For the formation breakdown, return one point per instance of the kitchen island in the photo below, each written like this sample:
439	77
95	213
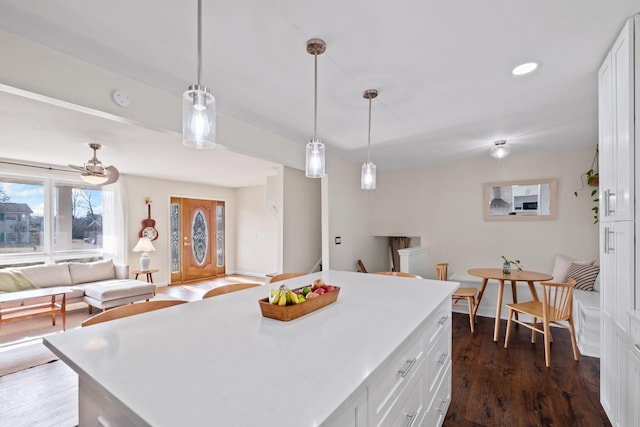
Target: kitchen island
380	355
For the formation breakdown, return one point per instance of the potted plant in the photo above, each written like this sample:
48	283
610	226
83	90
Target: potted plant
592	180
506	265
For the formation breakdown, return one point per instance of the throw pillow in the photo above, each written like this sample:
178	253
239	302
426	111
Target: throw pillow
561	267
584	275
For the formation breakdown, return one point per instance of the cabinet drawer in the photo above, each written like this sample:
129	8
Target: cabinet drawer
437	322
411	409
437	359
439	405
392	378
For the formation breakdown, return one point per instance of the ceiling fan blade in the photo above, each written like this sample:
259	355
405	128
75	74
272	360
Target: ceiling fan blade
113	174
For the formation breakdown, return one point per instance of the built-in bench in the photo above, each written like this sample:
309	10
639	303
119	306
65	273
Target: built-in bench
586	309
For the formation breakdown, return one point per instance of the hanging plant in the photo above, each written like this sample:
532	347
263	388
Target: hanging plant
593	180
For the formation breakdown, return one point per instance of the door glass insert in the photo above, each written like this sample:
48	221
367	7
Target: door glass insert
220	237
175	237
199	240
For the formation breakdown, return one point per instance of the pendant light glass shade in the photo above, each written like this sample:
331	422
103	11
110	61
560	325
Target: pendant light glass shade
198	118
314	164
314	167
199	107
500	149
368	176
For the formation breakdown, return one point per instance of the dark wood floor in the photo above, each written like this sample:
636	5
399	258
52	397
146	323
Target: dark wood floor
494	386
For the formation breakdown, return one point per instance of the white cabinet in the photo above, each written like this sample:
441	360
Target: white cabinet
616	129
617	98
633	387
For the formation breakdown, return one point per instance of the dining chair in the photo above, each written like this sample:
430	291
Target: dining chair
284	276
225	289
460	294
130	310
556	307
398	274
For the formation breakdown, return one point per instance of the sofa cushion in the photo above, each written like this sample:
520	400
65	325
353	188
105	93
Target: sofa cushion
46	275
561	267
12	280
91	271
115	289
584	275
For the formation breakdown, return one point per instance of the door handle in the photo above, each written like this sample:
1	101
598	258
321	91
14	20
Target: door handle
187	244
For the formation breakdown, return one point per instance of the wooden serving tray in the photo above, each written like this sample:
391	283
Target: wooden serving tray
290	312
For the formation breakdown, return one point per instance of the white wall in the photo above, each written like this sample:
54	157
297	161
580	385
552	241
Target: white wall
256	232
349	217
443	205
302	242
160	192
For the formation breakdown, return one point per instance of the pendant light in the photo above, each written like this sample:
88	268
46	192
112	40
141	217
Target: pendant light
368	178
314	165
500	149
199	106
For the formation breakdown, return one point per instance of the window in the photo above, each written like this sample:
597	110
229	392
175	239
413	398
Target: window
46	220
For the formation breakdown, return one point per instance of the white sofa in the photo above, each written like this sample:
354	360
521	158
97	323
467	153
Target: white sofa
101	284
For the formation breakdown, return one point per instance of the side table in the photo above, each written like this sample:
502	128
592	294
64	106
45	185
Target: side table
149	274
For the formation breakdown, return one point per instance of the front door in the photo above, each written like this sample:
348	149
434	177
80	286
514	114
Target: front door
197	247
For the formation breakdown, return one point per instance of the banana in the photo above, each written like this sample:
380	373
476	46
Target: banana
283	298
294	297
276	297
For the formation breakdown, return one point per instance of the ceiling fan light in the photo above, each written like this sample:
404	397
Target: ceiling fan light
94	179
368	176
198	118
500	149
314	167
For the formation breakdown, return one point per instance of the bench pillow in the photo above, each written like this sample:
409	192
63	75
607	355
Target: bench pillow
561	267
84	272
46	275
584	275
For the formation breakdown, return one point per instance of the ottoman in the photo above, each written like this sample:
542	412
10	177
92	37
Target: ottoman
113	293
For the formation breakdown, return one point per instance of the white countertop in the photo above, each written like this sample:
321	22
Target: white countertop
219	362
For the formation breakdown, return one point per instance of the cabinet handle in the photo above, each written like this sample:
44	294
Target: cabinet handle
638	347
412	419
443	358
612	235
443	405
608	196
443	320
403	372
606	240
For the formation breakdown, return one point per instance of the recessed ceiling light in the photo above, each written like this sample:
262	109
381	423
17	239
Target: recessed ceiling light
524	68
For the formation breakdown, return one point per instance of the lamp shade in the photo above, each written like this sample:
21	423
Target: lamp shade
94	179
144	245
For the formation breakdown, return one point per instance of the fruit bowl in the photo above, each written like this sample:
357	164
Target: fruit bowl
290	312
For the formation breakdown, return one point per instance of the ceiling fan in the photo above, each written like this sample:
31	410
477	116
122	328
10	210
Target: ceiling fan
94	172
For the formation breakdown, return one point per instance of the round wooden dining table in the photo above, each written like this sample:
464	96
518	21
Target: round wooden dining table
515	276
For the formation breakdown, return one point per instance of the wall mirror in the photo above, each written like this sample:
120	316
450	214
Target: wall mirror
527	200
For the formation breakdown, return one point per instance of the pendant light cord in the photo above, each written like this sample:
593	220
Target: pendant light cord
199	41
369	137
315	96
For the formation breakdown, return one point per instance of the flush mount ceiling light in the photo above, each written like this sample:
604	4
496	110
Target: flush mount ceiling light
524	68
500	149
94	172
314	165
199	106
368	177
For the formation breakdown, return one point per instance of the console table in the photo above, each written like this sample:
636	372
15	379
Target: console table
380	355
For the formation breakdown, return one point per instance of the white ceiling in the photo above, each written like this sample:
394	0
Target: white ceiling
442	68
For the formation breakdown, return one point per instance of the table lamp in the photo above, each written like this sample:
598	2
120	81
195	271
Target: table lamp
144	245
